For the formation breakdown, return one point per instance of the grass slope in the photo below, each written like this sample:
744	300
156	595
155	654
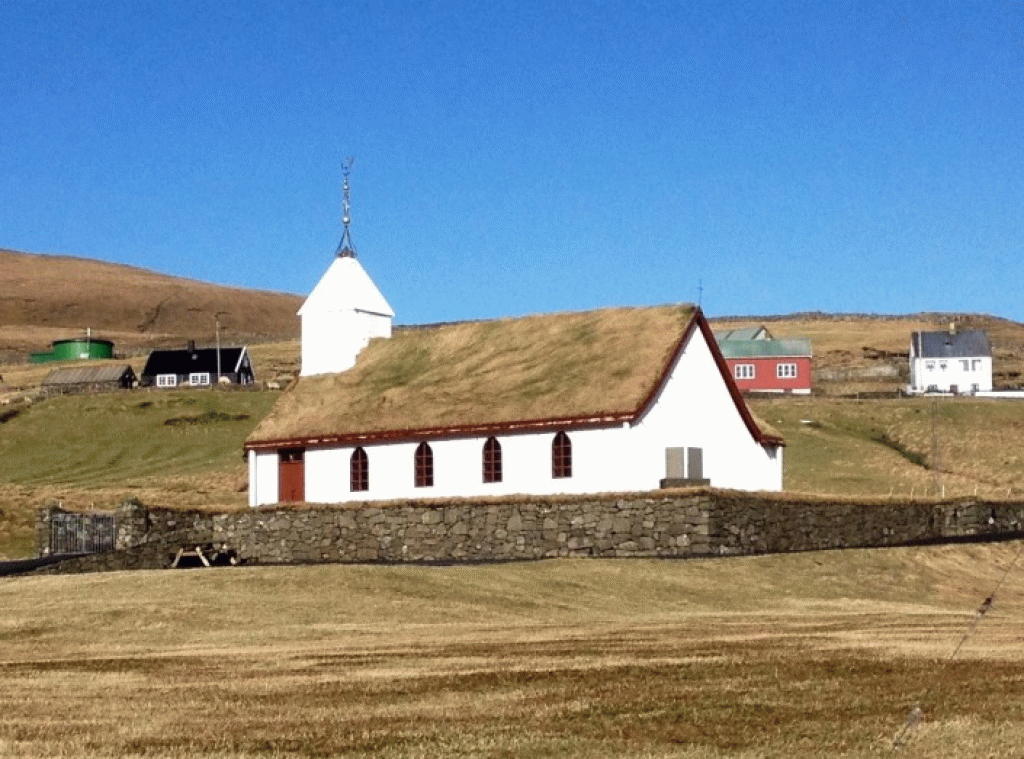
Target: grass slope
168	448
816	654
905	447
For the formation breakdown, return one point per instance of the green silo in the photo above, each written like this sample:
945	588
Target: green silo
72	350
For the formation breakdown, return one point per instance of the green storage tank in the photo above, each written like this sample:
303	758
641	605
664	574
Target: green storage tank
74	350
69	350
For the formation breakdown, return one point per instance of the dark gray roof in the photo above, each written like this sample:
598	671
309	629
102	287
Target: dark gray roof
198	360
76	375
950	344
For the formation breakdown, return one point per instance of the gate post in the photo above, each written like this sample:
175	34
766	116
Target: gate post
44	526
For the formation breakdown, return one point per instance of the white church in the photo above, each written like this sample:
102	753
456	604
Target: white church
612	400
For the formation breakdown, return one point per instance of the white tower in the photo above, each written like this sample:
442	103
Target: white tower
345	309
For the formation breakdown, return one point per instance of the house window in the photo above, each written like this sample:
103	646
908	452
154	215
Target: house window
199	378
424	466
965	364
929	365
359	471
744	371
167	380
976	364
785	371
561	456
942	365
492	460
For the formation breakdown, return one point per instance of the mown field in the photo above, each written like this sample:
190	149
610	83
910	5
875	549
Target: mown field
808	655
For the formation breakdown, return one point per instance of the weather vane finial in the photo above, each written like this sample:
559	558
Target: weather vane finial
345	247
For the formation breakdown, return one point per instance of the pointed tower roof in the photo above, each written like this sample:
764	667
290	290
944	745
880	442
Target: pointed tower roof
346	286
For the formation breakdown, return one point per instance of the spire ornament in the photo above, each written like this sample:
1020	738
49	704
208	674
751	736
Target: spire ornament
345	247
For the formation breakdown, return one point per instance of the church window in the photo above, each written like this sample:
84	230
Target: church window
424	466
359	470
561	456
492	460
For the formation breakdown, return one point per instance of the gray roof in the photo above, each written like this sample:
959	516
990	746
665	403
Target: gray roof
77	375
950	344
744	333
791	346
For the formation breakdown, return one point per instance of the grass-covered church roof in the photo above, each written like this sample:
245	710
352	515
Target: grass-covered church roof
518	373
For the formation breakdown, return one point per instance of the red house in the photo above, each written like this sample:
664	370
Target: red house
761	363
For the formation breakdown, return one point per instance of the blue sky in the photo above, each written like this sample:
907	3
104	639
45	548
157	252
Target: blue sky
515	157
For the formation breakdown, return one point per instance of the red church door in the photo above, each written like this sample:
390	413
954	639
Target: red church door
291	475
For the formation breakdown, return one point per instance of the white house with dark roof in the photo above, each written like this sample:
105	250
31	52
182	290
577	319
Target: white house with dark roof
956	362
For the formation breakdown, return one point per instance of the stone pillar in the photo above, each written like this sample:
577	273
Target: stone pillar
44	522
132	519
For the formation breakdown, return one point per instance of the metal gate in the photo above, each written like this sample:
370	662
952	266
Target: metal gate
82	533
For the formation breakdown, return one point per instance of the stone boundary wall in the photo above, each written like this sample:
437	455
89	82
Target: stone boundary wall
678	524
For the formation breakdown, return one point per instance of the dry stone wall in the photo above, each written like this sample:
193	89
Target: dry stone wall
680	524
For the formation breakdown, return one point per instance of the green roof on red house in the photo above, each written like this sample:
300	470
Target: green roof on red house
785	348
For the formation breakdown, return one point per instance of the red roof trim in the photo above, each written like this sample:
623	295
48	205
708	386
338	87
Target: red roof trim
466	430
737	397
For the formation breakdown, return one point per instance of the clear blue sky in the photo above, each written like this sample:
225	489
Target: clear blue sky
514	157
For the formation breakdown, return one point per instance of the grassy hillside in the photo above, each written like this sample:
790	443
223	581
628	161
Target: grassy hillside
809	655
905	447
45	298
168	448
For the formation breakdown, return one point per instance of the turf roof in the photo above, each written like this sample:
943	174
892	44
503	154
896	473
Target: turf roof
575	365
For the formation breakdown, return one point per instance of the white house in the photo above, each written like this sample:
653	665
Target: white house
613	400
950	362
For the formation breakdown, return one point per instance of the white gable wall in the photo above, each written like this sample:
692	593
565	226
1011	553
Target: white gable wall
694	409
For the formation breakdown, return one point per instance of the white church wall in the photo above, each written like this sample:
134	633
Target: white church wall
332	340
263	474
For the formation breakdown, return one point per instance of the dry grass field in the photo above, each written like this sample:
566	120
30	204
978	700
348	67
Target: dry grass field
808	655
48	297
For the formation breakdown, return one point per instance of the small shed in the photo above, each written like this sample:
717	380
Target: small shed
197	367
89	379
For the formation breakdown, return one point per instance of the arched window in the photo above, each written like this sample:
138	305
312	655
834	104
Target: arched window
424	466
359	471
492	460
561	456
